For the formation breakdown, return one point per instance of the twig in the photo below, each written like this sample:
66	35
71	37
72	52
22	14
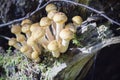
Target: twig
101	45
75	3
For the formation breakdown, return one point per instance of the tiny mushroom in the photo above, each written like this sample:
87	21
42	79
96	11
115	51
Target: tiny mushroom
54	48
50	16
13	42
16	29
45	22
66	35
26	24
60	19
77	20
50	7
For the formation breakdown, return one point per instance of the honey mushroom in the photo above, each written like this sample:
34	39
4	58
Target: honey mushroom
26	24
54	48
60	19
13	42
45	22
77	21
39	35
51	9
66	35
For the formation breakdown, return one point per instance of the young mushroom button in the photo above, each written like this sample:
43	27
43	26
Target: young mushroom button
60	19
66	35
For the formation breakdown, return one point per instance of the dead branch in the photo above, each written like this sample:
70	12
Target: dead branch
75	3
101	45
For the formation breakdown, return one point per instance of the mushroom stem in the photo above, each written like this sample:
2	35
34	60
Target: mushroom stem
49	34
33	44
66	35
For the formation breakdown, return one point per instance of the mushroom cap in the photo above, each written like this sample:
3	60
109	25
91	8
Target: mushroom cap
66	34
34	27
21	38
34	55
77	20
53	45
51	14
30	41
50	7
45	21
24	48
71	27
26	28
12	42
39	33
60	17
16	29
26	21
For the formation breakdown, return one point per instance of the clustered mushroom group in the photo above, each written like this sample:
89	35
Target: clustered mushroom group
50	34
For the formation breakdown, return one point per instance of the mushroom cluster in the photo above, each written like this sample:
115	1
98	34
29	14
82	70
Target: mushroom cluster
50	34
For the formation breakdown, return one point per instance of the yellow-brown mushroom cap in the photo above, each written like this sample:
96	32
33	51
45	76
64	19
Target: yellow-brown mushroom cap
50	7
26	21
66	34
12	42
26	28
77	20
16	29
60	17
53	45
21	38
34	27
45	21
51	14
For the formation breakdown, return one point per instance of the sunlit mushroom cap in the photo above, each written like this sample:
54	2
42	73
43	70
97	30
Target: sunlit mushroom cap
26	21
66	34
77	20
50	7
45	21
16	29
26	28
51	14
60	17
34	27
21	38
53	45
12	42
